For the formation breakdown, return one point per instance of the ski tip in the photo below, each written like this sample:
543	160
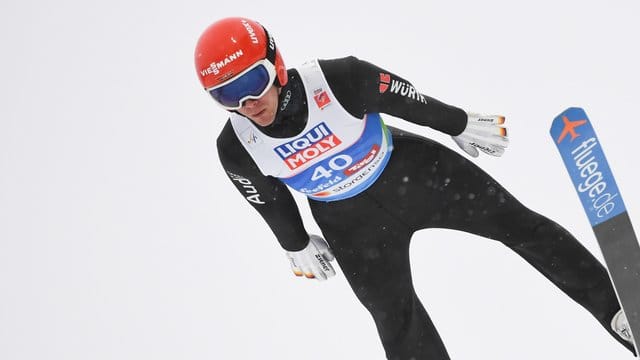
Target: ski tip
573	111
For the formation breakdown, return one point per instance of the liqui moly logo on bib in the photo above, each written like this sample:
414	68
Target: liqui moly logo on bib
307	147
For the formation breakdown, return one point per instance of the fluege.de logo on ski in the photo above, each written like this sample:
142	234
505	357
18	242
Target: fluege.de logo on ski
309	146
588	167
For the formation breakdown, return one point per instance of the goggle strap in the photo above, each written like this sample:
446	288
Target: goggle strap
271	53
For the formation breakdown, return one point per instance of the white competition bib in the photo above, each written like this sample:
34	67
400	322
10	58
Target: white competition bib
335	157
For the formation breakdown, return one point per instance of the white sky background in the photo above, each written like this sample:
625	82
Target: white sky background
121	238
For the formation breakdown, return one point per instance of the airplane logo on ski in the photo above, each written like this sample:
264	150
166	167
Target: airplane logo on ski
570	128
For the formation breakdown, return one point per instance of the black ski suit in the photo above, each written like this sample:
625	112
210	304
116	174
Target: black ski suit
424	185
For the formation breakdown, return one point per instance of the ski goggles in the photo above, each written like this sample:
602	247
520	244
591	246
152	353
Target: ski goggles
252	83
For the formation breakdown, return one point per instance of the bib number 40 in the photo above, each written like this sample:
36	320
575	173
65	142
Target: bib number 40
336	163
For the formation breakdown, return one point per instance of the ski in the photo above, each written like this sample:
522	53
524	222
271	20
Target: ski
593	180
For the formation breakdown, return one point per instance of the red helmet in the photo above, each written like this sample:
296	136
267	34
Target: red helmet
231	45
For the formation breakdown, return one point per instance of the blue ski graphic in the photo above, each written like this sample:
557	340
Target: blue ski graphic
594	182
587	166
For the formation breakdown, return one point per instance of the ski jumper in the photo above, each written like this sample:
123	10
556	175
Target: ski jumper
423	185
